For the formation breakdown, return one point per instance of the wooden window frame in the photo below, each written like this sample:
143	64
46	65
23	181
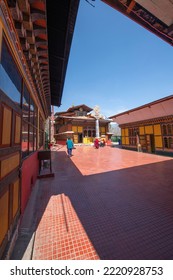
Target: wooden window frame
2	106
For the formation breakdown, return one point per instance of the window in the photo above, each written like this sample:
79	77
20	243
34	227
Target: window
32	127
31	139
164	129
25	139
11	80
170	141
167	131
35	139
93	133
81	113
133	132
165	142
25	104
11	84
29	126
41	131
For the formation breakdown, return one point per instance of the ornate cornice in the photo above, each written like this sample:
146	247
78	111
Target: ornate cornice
25	53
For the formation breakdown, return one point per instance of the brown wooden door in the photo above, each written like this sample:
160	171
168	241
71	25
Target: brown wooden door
10	158
150	145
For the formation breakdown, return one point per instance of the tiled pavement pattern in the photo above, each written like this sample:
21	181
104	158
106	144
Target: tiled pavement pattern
60	235
123	199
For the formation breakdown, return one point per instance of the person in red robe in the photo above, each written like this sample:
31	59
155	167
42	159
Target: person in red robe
96	143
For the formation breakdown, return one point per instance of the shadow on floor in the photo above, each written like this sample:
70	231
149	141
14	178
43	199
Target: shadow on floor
126	213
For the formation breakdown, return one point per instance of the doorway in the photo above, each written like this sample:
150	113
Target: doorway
80	138
150	143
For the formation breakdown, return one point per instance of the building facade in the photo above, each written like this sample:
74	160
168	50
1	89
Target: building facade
148	128
32	70
78	123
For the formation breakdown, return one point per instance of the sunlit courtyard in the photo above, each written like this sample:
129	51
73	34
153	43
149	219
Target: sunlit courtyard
108	203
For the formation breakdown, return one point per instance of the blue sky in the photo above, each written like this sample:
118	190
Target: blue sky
115	63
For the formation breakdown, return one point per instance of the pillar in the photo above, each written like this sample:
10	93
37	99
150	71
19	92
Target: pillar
97	128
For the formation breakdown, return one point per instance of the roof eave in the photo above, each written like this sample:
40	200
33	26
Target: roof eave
61	18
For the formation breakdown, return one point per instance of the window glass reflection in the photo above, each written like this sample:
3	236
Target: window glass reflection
10	66
35	139
24	139
7	86
11	80
32	112
41	134
25	103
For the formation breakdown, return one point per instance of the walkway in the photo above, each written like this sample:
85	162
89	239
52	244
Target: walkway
108	203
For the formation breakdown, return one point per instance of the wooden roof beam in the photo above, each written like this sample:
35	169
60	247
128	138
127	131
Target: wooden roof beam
46	86
45	80
27	54
39	31
41	42
27	22
24	6
33	49
30	37
11	3
24	44
37	15
131	6
43	67
45	75
34	58
170	30
39	5
15	11
42	52
20	29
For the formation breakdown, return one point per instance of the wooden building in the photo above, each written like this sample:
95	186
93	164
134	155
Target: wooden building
148	128
150	125
79	123
35	41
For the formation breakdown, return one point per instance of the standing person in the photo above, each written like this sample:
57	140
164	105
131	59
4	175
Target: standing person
70	146
103	142
96	143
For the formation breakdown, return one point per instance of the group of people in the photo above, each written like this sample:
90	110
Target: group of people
70	146
98	143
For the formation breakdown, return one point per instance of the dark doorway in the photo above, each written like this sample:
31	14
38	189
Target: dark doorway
150	143
80	138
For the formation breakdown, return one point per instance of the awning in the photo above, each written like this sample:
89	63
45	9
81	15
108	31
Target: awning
65	132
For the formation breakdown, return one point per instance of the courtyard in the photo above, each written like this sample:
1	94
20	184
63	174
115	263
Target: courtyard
117	204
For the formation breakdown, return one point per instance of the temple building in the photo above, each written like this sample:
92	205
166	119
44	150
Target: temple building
148	128
35	41
79	123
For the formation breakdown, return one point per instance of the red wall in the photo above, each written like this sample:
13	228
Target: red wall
30	169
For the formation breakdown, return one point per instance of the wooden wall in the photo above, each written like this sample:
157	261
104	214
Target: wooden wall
10	140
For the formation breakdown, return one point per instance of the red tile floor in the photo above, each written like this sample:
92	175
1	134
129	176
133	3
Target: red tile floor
108	203
60	235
